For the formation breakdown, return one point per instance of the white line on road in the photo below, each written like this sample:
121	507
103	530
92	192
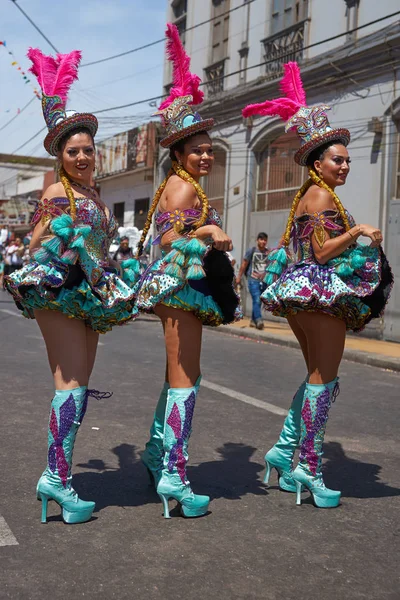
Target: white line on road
6	536
10	312
243	398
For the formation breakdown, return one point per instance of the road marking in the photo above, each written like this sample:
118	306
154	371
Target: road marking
6	535
243	398
10	312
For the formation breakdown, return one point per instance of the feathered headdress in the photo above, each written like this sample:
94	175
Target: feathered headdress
179	117
311	123
55	76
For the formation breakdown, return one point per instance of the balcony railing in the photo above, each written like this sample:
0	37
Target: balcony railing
286	45
215	77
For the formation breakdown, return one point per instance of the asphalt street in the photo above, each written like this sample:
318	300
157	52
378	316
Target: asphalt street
255	543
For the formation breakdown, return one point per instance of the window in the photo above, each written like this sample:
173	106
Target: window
141	210
286	13
279	177
214	184
119	211
288	33
219	30
179	8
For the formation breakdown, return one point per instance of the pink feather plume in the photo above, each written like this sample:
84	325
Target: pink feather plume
184	82
55	75
285	107
291	84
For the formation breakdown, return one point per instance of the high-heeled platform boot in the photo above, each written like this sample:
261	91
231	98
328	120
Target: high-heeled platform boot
152	457
314	416
67	411
280	456
177	429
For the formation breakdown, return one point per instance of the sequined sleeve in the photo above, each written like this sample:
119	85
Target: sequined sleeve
183	220
48	209
317	223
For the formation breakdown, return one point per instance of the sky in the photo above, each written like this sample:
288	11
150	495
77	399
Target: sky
99	28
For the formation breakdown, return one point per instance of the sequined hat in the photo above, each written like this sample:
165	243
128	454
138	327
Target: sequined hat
180	120
310	122
55	77
179	116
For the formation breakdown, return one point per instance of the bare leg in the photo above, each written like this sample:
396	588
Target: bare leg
92	340
325	337
182	332
66	343
300	335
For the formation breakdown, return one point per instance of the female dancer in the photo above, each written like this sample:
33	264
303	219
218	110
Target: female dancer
334	285
69	276
191	285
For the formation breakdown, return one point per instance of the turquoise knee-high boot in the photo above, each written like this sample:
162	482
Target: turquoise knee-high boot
280	456
314	416
177	429
67	411
152	457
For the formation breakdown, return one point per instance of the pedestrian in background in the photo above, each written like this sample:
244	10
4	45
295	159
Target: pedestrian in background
14	253
253	267
124	251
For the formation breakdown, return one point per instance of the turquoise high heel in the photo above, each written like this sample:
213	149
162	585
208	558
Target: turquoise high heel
280	456
314	416
67	411
173	483
152	457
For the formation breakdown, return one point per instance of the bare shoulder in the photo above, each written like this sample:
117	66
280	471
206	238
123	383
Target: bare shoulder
317	199
55	190
179	194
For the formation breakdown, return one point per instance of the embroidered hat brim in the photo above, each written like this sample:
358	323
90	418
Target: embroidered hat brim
54	136
341	135
171	139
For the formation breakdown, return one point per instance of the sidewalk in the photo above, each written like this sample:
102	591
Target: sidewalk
376	353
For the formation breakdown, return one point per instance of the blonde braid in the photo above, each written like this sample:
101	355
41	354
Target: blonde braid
178	170
318	181
68	192
205	205
295	203
151	213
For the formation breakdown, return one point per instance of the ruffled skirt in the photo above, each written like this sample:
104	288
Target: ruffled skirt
355	298
196	296
62	287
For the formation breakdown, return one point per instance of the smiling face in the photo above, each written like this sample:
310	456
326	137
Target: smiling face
78	157
334	165
197	157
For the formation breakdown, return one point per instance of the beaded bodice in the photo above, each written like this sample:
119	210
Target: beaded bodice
307	224
167	220
88	212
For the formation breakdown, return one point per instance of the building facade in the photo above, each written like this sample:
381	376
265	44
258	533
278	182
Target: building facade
125	173
349	55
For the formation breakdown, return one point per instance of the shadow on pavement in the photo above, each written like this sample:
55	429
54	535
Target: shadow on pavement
354	478
128	484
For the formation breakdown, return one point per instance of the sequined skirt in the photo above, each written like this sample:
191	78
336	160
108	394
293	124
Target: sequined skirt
314	287
61	287
196	296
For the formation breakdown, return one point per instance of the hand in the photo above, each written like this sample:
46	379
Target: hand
373	233
220	240
238	280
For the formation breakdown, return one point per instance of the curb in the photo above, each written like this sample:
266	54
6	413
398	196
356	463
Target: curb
358	356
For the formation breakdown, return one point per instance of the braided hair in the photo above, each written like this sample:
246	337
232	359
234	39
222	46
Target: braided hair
68	192
205	205
314	178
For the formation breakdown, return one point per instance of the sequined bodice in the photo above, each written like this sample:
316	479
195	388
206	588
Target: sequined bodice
103	229
307	224
166	220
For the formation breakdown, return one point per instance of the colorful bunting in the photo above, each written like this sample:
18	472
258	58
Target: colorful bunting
14	63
